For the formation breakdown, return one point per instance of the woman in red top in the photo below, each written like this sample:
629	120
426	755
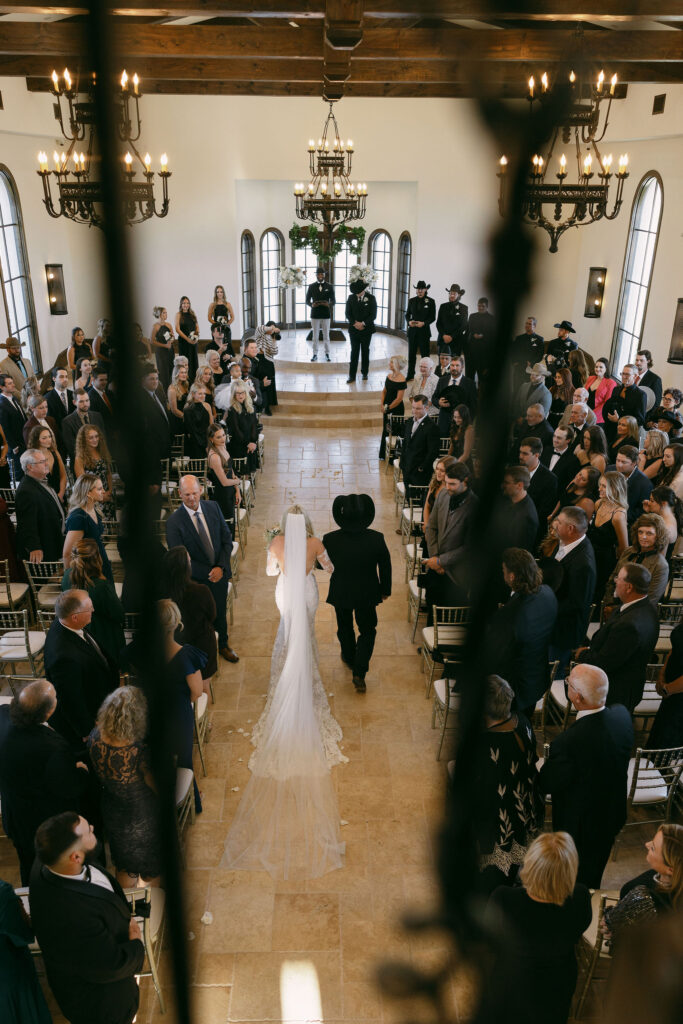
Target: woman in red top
600	387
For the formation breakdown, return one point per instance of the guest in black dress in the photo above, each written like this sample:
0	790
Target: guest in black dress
392	397
221	312
667	728
608	533
197	418
161	339
21	998
534	979
102	344
187	329
78	349
226	485
177	392
130	807
461	434
242	428
627	434
562	393
196	606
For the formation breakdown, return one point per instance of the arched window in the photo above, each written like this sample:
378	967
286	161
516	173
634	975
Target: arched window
379	250
16	280
248	281
272	258
405	252
307	259
646	216
343	262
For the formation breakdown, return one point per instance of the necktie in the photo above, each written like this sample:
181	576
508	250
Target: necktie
96	647
23	369
105	400
85	418
65	401
19	409
638	380
204	536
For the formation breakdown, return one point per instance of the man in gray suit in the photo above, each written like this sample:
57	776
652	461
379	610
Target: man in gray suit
72	423
447	535
535	391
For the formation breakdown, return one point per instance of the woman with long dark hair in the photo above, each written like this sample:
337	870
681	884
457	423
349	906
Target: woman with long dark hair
671	473
562	393
582	491
196	605
43	440
187	330
665	503
600	386
78	348
461	434
221	312
226	485
592	449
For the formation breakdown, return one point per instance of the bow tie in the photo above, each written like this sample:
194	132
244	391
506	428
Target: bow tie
555	452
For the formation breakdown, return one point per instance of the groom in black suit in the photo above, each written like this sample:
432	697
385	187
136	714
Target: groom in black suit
361	579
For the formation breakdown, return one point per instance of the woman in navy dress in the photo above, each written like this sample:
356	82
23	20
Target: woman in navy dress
84	519
21	998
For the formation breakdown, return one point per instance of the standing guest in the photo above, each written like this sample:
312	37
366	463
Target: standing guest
650	455
267	337
436	485
21	997
60	399
253	385
42	440
12	420
320	299
638	486
627	400
242	428
197	418
102	342
582	492
130	806
84	519
420	315
481	336
101	400
213	361
81	416
161	338
578	367
560	347
451	322
600	386
573	581
82	375
448	541
77	667
626	433
4	465
17	366
221	312
664	502
156	429
559	456
592	449
454	389
225	483
204	379
649	541
187	330
78	348
426	381
542	483
461	434
200	527
536	974
608	531
525	351
361	311
392	397
38	417
360	581
671	473
142	346
92	947
39	773
420	447
39	512
586	772
535	391
646	377
92	456
517	519
561	394
85	573
177	392
196	606
624	644
263	369
667	728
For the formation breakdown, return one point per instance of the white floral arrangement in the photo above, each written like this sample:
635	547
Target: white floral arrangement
363	272
292	277
194	336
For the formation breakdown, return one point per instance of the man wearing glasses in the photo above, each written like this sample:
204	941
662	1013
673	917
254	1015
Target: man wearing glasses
40	516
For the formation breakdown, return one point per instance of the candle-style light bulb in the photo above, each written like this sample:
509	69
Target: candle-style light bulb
544	81
55	82
572	77
124	81
540	165
163	160
147	162
587	164
503	162
42	160
349	144
129	160
612	84
311	188
607	164
136	82
67	79
56	159
532	83
601	80
563	164
82	161
623	163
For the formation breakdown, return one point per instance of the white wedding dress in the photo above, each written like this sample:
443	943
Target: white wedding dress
288	819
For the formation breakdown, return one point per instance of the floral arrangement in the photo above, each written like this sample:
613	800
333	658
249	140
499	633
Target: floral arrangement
269	534
292	277
311	238
363	272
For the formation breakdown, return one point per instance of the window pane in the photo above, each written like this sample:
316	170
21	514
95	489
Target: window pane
381	262
307	259
15	280
635	285
343	262
403	281
272	249
13	243
248	282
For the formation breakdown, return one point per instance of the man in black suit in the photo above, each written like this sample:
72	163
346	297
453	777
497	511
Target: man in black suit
560	347
516	518
60	401
77	667
542	485
645	376
444	367
627	400
263	371
638	486
520	630
39	773
81	416
157	429
101	399
454	389
420	446
91	946
559	457
451	323
586	772
361	311
40	516
447	534
361	579
420	315
534	424
200	527
525	350
12	420
481	336
320	299
571	574
625	643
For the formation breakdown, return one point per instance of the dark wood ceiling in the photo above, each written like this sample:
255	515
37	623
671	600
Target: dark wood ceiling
352	47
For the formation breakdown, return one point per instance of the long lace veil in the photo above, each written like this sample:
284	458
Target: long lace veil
288	820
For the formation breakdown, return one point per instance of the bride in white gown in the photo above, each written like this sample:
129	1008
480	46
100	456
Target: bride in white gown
288	820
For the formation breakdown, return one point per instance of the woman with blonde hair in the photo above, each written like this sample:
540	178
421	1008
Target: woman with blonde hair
161	339
179	389
92	456
84	520
197	418
242	427
129	803
391	401
627	432
650	455
42	439
204	378
101	343
85	573
608	533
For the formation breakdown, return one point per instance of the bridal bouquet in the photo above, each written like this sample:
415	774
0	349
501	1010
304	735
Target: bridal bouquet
269	534
292	277
363	272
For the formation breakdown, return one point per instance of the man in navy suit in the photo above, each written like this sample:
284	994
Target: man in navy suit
638	486
453	389
542	483
200	527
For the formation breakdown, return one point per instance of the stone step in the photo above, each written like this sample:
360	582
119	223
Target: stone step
341	367
319	417
313	402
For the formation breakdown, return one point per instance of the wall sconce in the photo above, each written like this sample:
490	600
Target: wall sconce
54	275
595	292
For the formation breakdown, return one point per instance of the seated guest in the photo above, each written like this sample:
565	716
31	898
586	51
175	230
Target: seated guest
559	456
517	519
671	473
226	485
663	502
562	395
624	645
213	361
573	582
535	392
454	389
78	349
72	423
21	997
252	384
649	541
91	946
586	772
592	449
582	492
426	380
520	630
39	773
667	416
39	512
443	367
645	375
82	376
130	806
262	371
650	455
38	417
436	486
600	386
578	367
447	537
41	439
586	416
77	667
84	519
542	483
638	487
197	418
92	456
196	606
86	574
535	425
578	421
461	434
667	728
608	531
535	977
242	428
204	379
627	400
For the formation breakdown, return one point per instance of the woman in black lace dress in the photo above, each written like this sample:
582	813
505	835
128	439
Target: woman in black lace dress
392	397
187	329
130	808
161	340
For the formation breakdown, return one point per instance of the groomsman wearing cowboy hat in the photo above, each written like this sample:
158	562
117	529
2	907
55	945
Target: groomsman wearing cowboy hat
420	315
451	323
562	345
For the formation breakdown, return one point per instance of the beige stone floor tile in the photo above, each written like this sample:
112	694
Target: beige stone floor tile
242	909
256	985
306	921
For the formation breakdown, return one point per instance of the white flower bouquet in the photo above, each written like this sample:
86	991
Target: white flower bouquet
363	272
292	277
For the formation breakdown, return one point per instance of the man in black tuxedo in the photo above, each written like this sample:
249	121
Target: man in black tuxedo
516	517
420	315
320	299
81	416
560	347
638	486
361	579
60	402
39	773
91	946
157	427
77	667
542	485
420	446
263	371
520	630
447	534
645	376
627	400
40	516
534	424
361	311
454	389
559	457
12	420
586	772
451	323
571	574
101	400
200	527
481	337
625	643
525	350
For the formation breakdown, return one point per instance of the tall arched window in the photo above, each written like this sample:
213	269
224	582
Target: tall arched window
379	249
14	273
247	259
405	252
272	258
307	259
343	262
646	216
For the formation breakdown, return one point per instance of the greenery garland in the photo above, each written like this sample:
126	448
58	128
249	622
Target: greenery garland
311	238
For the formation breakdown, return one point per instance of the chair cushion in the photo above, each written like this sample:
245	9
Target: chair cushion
651	787
13	648
558	694
6	700
202	702
242	512
440	694
183	782
417	514
428	637
235	548
410	551
17	591
649	705
401	487
415	593
118	587
47	594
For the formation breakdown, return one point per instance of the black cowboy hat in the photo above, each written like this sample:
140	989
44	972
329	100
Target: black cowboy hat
353	512
668	416
356	287
456	288
566	325
320	270
422	284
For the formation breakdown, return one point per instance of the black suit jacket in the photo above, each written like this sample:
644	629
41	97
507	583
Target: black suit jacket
180	529
654	382
543	493
520	633
516	524
40	527
638	488
71	424
81	678
82	930
317	292
362	568
622	647
632	404
566	467
419	452
464	393
574	593
12	422
55	407
364	310
97	405
157	427
452	320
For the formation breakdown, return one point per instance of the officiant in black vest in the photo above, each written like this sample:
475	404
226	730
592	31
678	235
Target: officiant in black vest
361	310
420	315
320	300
